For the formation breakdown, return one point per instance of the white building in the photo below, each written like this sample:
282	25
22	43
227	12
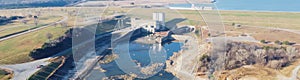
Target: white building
160	18
157	23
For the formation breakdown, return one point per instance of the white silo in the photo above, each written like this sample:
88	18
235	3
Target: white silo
160	18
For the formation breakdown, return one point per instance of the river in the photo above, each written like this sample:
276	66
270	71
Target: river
141	53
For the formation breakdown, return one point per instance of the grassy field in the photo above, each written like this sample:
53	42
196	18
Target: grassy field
267	19
264	34
263	19
192	17
16	50
18	26
250	73
287	20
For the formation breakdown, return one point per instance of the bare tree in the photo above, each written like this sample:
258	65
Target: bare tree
49	36
30	16
291	52
36	21
55	24
63	24
24	21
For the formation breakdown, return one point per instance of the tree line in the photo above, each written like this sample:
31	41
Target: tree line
5	20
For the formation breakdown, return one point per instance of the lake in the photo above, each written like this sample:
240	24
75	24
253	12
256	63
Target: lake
255	5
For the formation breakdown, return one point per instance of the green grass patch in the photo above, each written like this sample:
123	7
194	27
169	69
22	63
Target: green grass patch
286	20
18	26
265	19
16	50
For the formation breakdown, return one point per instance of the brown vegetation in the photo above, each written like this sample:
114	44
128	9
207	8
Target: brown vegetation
239	54
249	73
152	69
121	77
48	70
108	58
263	33
5	74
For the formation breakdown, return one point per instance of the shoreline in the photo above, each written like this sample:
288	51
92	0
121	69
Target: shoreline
185	70
174	8
262	11
217	8
184	8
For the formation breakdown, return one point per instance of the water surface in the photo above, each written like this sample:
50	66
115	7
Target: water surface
253	5
139	52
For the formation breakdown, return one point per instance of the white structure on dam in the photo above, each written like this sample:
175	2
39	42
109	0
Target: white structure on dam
156	24
159	18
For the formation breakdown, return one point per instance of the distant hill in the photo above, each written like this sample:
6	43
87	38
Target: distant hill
12	4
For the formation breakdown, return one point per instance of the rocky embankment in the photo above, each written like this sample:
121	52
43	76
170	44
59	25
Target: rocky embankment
239	54
183	64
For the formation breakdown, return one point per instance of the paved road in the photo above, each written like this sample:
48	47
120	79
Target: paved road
25	70
19	34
